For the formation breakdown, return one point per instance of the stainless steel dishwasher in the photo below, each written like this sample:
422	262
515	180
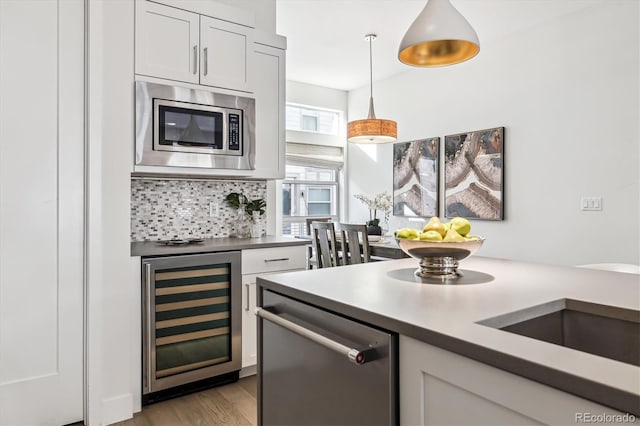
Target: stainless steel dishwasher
319	368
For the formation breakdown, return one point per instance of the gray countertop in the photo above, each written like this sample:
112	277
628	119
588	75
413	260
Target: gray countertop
388	295
211	245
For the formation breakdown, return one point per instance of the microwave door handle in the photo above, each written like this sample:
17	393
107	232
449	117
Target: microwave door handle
195	59
205	59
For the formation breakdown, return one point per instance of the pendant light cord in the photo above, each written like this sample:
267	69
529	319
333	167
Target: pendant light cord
372	113
371	66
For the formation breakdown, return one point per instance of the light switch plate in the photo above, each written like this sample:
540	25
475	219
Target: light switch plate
591	203
214	210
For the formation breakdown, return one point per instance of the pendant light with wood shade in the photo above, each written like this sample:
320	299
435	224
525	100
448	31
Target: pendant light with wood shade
439	36
371	129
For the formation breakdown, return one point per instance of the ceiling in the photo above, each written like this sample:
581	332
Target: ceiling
325	38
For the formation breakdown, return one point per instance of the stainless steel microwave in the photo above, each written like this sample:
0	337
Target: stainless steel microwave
183	127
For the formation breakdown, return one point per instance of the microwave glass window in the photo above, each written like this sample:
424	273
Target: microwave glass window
188	127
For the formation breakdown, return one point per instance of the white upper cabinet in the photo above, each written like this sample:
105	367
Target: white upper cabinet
185	46
225	60
167	42
269	84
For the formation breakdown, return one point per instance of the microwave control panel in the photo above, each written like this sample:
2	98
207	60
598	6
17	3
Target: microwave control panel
234	132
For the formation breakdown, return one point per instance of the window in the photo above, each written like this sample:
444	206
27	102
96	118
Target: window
309	123
310	119
311	187
308	191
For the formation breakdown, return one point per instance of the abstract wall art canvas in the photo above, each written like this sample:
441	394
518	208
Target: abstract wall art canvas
474	174
415	177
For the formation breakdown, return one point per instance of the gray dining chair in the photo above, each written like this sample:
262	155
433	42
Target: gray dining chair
311	257
324	240
355	244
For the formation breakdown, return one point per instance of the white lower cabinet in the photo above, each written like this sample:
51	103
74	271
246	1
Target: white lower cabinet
438	387
261	262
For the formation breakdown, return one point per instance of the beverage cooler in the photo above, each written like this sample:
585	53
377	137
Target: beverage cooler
191	331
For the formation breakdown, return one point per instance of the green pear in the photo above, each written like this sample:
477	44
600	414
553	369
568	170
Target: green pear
434	224
453	236
406	233
430	236
461	225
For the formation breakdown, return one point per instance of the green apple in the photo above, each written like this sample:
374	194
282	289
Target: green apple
434	224
461	225
430	236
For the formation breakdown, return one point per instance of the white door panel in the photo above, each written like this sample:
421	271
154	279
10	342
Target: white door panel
41	211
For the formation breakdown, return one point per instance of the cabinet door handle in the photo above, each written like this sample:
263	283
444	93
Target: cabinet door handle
205	59
195	58
280	259
246	306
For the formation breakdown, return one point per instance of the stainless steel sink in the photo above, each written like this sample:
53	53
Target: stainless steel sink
607	331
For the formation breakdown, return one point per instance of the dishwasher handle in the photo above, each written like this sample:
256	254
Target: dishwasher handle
356	356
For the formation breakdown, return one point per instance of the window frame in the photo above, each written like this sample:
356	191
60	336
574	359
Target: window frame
316	109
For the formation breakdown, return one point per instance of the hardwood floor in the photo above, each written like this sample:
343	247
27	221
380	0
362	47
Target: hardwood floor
233	404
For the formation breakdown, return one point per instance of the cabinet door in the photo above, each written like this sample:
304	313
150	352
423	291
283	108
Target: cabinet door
269	84
166	42
249	335
439	387
260	262
225	55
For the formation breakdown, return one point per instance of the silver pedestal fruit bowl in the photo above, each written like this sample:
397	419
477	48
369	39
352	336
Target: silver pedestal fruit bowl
439	259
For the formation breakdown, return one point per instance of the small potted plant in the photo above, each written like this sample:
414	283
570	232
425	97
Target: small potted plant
381	201
250	210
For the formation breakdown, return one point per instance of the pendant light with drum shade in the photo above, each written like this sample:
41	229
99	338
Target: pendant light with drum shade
439	36
371	129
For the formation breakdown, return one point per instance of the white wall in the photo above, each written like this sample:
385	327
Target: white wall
309	94
567	94
264	10
113	288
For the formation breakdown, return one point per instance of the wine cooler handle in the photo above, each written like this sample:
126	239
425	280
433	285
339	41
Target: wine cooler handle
147	283
354	355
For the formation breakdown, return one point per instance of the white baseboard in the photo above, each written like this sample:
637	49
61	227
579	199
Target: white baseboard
117	409
248	371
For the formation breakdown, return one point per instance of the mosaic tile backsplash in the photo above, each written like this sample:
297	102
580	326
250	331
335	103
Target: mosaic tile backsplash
165	209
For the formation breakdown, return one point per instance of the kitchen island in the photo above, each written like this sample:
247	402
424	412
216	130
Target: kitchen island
453	323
